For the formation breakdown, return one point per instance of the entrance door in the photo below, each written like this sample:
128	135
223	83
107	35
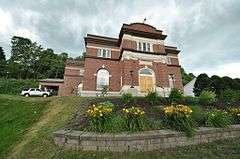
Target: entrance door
146	80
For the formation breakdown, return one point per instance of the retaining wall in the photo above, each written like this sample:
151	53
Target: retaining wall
141	141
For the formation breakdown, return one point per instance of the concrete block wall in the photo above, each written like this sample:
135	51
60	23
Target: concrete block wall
141	141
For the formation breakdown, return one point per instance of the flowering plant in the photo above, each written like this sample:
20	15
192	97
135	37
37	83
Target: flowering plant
218	118
235	114
179	117
98	116
134	118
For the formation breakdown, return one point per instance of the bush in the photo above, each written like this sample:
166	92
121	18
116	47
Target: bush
189	100
107	104
135	118
115	124
14	87
152	98
199	116
218	118
228	96
176	96
99	116
235	114
207	97
127	98
179	118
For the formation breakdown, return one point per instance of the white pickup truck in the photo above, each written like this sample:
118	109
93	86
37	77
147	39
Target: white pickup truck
35	92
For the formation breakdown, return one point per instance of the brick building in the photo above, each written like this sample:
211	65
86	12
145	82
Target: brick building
137	61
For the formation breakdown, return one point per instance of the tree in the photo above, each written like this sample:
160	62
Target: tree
3	63
202	82
20	56
216	84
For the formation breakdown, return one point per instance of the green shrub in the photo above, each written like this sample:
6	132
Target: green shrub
207	97
107	104
98	117
228	96
115	124
14	87
127	98
218	118
199	116
152	98
189	100
176	96
179	118
235	114
134	118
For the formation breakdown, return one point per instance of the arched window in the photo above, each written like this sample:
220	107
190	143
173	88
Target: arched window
145	71
102	78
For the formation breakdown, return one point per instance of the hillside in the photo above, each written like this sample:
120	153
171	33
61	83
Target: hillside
28	124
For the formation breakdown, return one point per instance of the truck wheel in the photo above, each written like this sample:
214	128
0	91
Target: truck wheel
45	95
26	95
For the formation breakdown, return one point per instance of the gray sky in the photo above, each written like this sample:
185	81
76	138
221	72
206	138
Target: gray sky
206	31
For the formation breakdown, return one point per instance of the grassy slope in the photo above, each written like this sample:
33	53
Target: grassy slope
16	116
37	141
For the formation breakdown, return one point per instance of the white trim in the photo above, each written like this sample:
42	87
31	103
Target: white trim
141	39
74	68
146	57
99	47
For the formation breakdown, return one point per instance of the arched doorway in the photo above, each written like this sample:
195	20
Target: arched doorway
146	80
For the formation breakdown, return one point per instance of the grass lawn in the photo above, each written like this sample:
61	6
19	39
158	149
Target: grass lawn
17	115
26	134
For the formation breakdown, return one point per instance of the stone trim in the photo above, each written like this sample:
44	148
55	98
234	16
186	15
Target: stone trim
141	141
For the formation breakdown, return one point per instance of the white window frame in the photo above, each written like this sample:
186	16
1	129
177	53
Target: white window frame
104	52
102	74
140	46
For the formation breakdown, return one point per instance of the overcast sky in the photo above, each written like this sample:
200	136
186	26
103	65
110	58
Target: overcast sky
206	31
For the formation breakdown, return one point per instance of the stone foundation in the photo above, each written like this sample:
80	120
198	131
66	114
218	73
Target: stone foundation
141	141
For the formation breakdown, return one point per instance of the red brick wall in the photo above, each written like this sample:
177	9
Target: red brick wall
178	77
72	79
91	68
128	44
158	48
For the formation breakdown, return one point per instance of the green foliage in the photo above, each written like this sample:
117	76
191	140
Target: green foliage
235	114
127	98
179	118
215	84
207	97
186	77
199	116
134	119
176	96
3	62
14	87
189	100
115	124
17	115
107	104
99	116
152	98
104	90
218	118
202	82
30	60
229	96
